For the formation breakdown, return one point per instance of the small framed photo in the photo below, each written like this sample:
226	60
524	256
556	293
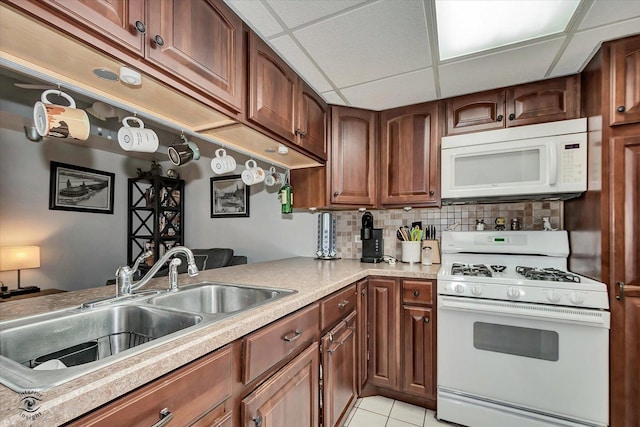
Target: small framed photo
229	197
76	188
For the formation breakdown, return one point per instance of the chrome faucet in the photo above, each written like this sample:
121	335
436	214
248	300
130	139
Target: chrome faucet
124	274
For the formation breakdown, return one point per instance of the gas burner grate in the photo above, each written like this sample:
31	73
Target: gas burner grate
550	274
470	270
498	268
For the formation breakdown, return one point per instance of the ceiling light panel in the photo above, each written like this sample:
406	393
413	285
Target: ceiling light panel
470	26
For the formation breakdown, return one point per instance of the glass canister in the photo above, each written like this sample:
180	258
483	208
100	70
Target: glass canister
427	255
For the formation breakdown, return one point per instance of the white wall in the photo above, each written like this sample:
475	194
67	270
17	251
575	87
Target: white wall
80	250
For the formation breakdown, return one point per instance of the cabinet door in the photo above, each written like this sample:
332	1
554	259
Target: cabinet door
289	397
353	157
625	304
409	156
115	19
339	372
199	41
362	308
544	101
625	81
384	312
273	90
312	123
476	112
417	351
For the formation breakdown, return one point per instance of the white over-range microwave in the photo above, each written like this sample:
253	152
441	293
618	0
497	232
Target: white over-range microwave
538	162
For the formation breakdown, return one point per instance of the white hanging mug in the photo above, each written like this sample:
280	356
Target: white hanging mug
137	138
222	162
253	174
60	121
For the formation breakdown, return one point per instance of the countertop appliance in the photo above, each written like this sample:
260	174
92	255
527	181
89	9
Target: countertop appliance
546	162
327	237
372	242
521	341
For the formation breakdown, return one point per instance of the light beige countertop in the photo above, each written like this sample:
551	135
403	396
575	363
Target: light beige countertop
313	279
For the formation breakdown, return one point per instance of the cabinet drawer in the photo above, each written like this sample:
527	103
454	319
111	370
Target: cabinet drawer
416	292
336	306
269	345
187	393
218	417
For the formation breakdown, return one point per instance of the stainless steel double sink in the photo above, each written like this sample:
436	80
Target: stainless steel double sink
42	351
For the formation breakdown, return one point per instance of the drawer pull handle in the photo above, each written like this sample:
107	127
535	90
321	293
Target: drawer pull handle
343	304
296	335
165	418
416	293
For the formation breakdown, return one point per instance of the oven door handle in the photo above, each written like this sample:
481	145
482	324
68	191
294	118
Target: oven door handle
526	310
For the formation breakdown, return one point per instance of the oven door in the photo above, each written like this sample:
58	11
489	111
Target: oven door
530	358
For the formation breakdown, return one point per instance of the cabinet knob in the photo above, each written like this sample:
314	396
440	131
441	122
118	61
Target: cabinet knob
416	293
336	194
426	320
512	116
140	27
159	40
620	109
301	133
257	421
620	295
431	192
500	117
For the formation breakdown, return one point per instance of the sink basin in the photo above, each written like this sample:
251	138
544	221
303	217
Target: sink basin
80	340
216	298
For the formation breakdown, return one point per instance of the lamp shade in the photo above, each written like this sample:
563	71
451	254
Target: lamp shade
19	257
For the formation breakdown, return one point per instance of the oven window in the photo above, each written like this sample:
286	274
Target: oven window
527	342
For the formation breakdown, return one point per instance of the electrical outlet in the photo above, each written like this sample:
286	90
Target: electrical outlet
357	238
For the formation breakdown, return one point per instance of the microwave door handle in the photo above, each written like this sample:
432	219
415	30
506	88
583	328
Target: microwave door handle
553	163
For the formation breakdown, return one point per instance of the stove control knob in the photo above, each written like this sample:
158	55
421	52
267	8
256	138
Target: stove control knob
476	290
459	288
553	295
513	293
576	298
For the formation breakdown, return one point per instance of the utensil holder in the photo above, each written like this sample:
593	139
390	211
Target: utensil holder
411	251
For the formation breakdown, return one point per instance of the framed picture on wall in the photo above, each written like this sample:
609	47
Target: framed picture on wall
76	188
229	197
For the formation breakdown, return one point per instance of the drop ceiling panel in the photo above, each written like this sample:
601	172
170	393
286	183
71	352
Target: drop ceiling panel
295	13
406	89
301	63
584	44
503	68
610	11
257	16
333	98
369	43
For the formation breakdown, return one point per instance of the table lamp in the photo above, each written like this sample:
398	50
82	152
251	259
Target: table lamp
19	258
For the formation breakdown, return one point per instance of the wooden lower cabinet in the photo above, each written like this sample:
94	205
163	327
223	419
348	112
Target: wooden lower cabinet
289	397
384	324
339	373
362	307
187	395
417	351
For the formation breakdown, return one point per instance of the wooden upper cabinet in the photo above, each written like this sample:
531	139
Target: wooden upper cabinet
532	103
476	112
625	81
409	173
353	160
311	133
544	101
116	19
199	41
273	90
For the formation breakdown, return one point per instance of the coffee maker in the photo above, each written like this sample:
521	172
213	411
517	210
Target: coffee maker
372	243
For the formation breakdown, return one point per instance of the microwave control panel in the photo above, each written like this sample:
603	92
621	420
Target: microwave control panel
572	162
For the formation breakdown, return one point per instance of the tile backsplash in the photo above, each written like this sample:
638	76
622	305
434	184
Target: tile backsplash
530	215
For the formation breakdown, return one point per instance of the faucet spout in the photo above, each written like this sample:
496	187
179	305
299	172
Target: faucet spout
124	274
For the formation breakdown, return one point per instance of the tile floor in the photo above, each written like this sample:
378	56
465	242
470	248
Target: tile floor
379	411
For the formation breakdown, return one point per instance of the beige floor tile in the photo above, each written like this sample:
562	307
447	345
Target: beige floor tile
431	421
408	413
397	423
378	404
362	418
349	417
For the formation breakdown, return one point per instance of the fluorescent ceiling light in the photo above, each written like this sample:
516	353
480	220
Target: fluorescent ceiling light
469	26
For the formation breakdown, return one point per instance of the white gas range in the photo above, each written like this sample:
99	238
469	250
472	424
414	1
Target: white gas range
521	341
